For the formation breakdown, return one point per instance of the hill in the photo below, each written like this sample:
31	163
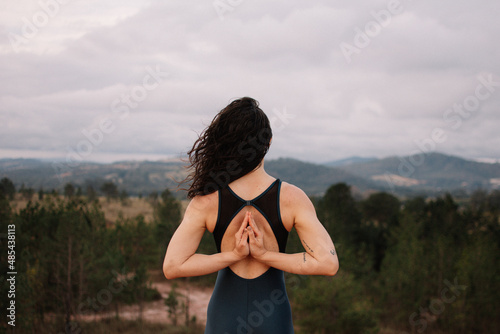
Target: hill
145	177
429	172
135	177
348	161
315	179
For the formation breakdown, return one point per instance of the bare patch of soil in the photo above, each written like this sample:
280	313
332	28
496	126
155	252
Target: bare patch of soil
157	312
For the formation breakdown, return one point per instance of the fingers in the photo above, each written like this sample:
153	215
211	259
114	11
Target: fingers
242	248
248	231
253	225
243	241
251	234
243	226
253	238
256	244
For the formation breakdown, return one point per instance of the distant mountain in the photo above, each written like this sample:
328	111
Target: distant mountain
145	177
429	172
349	161
314	179
136	177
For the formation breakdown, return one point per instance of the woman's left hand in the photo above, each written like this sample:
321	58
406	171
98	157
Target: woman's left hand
256	238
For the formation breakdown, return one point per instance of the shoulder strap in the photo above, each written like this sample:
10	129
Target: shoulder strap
269	207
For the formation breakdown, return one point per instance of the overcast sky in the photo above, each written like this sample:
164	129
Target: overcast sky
135	79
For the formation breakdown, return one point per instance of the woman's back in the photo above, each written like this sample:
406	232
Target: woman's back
255	288
259	195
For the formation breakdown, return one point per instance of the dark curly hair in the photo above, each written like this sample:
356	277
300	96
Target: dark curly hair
233	145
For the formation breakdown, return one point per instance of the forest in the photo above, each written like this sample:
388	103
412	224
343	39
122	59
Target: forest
407	265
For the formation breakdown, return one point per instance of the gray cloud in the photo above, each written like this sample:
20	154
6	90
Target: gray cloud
391	95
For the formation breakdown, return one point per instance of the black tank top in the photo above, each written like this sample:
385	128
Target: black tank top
267	203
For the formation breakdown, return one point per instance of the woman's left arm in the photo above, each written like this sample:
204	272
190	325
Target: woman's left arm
181	259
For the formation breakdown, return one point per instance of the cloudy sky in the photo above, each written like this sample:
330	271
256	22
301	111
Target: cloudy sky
136	79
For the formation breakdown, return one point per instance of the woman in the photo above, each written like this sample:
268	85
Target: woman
250	214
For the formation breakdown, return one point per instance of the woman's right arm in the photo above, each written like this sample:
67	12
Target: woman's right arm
181	259
319	256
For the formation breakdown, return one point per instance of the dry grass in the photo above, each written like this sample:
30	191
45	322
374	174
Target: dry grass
122	326
112	209
133	207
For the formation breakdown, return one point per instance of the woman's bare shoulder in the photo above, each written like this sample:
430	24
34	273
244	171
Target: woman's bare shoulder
293	204
292	193
205	208
293	199
204	203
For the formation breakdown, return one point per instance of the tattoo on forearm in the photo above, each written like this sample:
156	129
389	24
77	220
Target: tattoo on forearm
332	251
304	256
305	243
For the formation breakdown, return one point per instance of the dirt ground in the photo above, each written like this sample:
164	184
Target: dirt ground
197	297
157	312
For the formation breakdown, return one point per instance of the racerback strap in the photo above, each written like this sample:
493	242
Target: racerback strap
267	203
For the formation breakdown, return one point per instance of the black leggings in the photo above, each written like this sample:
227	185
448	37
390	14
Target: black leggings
249	306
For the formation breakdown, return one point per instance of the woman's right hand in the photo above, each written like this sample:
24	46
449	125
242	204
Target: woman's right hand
241	247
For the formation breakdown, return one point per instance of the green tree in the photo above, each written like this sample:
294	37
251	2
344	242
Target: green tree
69	190
335	305
124	198
381	209
26	193
40	194
438	243
110	190
338	211
380	215
7	188
478	200
136	242
167	216
57	240
172	303
405	271
443	218
475	310
91	193
153	198
493	202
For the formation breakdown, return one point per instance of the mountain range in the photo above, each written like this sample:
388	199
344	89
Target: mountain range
426	174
